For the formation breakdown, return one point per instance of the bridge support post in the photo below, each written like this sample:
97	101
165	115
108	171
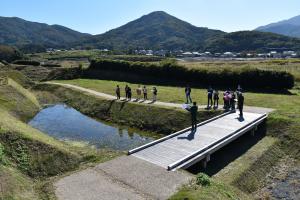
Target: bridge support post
205	161
253	131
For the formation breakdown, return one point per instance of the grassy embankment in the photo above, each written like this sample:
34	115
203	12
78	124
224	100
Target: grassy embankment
246	175
29	159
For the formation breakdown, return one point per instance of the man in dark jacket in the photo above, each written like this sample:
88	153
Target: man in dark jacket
194	110
240	103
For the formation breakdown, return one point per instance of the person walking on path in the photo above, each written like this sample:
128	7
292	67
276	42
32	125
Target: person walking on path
129	93
118	92
188	91
145	93
126	92
193	110
240	103
154	94
138	92
216	98
209	97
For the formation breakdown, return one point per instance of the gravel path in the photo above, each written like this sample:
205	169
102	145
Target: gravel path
125	177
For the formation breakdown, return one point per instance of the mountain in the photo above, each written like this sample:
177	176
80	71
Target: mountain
18	32
157	30
252	41
290	27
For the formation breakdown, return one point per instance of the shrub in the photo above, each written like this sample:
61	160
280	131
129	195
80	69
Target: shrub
203	179
27	62
169	72
9	54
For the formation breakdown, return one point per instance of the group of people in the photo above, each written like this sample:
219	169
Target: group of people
139	91
229	97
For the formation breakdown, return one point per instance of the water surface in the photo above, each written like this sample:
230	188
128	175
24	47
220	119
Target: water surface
66	123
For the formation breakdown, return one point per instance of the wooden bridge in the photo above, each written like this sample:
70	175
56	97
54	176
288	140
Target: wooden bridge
185	148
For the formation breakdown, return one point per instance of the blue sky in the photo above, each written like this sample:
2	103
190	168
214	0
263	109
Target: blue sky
98	16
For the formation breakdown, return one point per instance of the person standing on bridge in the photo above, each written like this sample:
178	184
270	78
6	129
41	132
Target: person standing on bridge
188	91
239	88
232	101
240	103
194	110
118	92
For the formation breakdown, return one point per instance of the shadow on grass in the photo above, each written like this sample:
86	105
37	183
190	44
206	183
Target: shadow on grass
229	153
110	105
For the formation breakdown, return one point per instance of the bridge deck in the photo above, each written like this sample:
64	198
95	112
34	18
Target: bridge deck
184	147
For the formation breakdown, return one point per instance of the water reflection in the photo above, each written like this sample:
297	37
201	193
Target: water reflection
66	123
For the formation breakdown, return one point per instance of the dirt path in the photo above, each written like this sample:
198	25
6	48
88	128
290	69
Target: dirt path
158	103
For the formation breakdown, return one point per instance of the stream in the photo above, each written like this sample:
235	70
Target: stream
67	124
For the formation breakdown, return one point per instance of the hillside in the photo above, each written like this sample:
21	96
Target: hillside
19	32
290	27
157	30
252	41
